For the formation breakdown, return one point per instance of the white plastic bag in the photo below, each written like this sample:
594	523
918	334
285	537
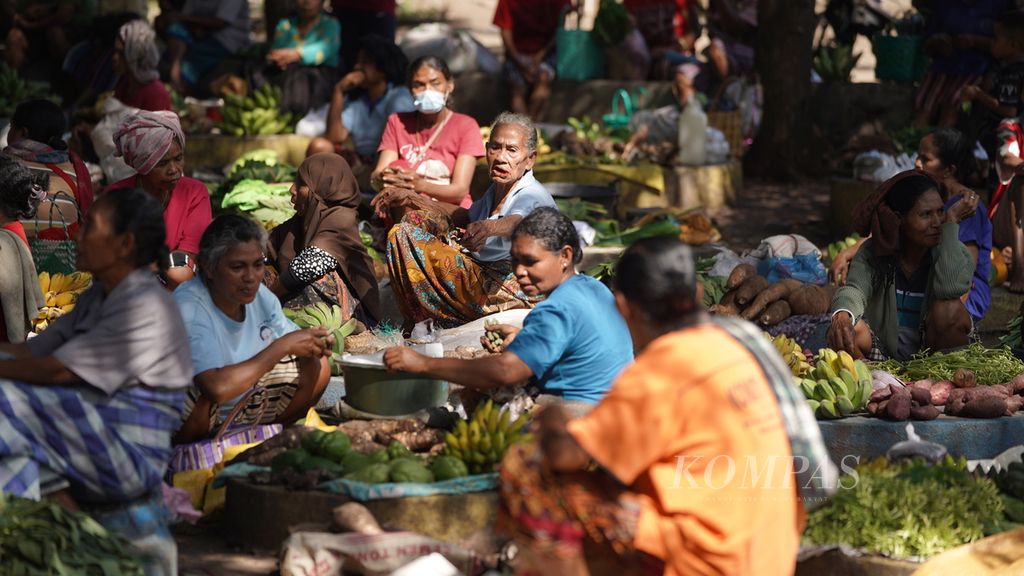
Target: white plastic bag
114	113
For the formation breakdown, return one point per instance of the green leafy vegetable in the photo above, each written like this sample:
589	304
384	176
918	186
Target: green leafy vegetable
990	365
907	509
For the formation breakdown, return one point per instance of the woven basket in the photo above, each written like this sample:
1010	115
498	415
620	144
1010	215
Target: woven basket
730	124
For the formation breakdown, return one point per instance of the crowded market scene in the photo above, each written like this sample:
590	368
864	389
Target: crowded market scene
405	286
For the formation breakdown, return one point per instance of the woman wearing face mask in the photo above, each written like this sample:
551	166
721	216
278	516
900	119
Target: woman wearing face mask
433	150
453	277
573	344
153	144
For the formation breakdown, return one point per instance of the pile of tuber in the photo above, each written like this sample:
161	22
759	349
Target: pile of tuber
753	298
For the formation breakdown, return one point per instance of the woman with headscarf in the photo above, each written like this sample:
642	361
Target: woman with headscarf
317	253
905	287
36	139
136	58
153	144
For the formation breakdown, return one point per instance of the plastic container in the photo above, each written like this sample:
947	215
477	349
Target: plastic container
693	125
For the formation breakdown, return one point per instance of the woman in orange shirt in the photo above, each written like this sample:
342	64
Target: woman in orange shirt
683	468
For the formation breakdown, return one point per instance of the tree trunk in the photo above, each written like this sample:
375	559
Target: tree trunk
784	52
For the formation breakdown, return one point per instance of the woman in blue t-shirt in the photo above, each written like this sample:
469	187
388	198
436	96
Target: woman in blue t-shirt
573	344
240	339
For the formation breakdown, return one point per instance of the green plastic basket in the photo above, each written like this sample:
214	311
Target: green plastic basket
899	58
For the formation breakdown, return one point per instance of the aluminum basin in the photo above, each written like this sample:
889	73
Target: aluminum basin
372	389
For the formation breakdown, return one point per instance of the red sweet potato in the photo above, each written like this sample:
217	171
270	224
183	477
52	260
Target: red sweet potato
739	275
872	408
964	378
1017	384
922	384
984	407
899	406
924	412
921	396
940	392
1013	404
880	394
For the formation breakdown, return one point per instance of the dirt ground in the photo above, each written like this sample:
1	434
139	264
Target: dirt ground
766	209
202	551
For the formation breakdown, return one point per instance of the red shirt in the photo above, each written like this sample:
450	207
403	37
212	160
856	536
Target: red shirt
187	214
18	230
533	22
151	96
460	136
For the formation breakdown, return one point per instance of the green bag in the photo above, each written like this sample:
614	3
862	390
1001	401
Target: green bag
578	56
54	256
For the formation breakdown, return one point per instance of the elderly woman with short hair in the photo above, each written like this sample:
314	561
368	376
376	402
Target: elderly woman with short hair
241	340
440	272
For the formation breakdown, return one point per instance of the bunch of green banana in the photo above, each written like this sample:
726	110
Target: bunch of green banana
481	442
792	354
493	336
320	315
835	248
257	114
837	386
835	62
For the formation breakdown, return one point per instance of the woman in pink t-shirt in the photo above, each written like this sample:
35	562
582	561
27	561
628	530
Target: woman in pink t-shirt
153	144
431	151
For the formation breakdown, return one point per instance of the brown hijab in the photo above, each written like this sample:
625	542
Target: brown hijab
330	223
873	216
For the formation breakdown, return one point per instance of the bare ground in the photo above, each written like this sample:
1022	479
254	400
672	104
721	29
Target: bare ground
766	209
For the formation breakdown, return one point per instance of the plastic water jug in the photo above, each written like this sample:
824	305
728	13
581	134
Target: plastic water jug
693	123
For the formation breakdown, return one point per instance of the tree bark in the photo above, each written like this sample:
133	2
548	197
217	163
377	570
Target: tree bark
784	52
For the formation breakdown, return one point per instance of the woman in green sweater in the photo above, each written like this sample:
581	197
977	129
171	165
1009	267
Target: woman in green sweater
905	288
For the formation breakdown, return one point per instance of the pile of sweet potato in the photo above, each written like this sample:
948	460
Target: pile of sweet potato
961	397
753	298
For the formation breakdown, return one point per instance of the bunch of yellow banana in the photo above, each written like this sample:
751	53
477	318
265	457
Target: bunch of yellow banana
60	291
837	386
792	354
481	442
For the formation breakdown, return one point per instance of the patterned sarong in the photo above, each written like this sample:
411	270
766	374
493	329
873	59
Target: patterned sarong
435	280
105	448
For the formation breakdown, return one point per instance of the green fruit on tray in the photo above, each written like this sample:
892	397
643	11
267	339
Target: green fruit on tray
321	463
295	458
397	450
379	457
448	467
336	446
313	440
372	474
409	470
354	462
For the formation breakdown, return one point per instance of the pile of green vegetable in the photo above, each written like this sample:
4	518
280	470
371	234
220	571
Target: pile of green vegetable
990	365
43	539
332	454
259	184
834	62
1012	338
612	24
907	509
14	91
1010	481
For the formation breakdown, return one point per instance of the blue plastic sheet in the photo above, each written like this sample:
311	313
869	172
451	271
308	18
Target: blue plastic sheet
362	492
806	268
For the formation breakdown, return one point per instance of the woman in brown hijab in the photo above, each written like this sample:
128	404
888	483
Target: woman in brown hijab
317	253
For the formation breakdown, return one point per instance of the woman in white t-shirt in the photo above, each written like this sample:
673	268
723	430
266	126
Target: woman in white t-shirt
240	339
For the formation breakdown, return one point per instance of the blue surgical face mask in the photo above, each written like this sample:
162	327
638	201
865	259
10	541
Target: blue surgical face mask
429	101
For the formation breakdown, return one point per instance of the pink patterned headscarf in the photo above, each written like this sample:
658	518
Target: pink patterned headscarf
145	137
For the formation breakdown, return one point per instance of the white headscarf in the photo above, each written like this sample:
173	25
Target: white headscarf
140	52
145	137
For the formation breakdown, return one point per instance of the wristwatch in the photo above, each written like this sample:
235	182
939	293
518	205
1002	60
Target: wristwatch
179	259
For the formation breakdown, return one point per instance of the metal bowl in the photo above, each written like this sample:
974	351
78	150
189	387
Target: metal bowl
372	389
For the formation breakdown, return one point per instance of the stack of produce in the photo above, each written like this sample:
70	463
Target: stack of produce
320	315
481	443
752	297
838	385
962	396
792	355
907	509
269	204
834	62
835	248
1010	481
60	291
41	537
14	91
258	114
